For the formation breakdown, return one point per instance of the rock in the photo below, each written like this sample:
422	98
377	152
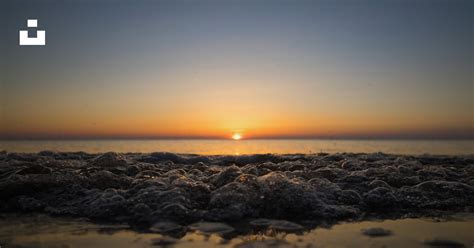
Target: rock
30	204
445	187
350	165
349	197
445	243
132	170
378	183
211	228
376	232
105	205
234	201
109	159
145	189
200	166
166	227
226	176
141	210
34	169
163	241
380	198
330	173
284	197
264	244
278	225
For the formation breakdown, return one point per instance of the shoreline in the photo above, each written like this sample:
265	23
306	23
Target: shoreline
39	230
142	189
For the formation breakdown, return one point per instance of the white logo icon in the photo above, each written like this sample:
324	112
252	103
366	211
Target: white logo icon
39	40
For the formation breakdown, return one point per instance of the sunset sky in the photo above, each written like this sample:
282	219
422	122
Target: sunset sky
263	69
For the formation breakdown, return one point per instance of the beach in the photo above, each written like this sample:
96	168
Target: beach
230	195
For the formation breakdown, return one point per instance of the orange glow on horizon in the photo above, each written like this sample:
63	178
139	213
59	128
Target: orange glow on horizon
236	136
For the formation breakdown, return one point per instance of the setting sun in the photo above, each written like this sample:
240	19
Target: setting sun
236	136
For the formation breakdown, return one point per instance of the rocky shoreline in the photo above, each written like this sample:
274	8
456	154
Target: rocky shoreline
158	190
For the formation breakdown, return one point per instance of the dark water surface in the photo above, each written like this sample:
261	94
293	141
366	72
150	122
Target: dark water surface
44	231
209	147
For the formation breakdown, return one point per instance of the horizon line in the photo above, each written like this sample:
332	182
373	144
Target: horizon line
387	137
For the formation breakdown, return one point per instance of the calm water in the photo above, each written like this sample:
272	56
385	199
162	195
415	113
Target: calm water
43	231
447	147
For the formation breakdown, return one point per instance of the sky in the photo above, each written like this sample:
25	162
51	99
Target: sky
262	68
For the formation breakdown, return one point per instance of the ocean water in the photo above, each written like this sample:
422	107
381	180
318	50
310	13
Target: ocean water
209	147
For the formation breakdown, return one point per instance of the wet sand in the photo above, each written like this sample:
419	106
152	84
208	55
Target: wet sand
242	196
44	231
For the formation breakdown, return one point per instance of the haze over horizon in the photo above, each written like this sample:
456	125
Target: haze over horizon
263	69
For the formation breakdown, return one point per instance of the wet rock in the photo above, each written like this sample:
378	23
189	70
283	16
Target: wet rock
148	174
445	243
167	227
226	176
445	187
157	157
285	197
34	169
349	197
132	170
211	228
163	241
30	204
22	157
330	173
141	211
105	205
106	179
200	166
376	232
378	183
354	179
256	159
380	198
234	201
246	179
278	225
144	189
264	244
177	210
109	159
48	154
350	165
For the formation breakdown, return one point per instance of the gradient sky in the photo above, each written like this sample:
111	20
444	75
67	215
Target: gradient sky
267	69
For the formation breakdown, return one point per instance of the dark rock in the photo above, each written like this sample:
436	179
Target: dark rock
211	228
110	159
34	169
349	197
278	225
264	244
163	241
376	232
143	189
132	170
167	227
445	243
380	198
330	173
378	183
226	176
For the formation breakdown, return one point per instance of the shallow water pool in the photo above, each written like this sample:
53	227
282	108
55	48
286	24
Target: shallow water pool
44	231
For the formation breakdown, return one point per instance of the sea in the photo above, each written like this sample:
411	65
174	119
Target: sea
238	147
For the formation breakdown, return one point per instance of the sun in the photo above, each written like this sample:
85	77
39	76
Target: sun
236	136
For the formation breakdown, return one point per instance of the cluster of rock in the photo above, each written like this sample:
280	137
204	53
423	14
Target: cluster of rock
160	187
